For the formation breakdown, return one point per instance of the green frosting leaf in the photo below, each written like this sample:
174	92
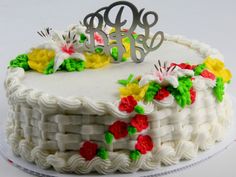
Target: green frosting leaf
98	50
71	64
132	130
139	109
82	38
153	88
115	53
135	155
199	69
219	89
102	153
127	39
182	92
49	68
20	61
124	82
109	137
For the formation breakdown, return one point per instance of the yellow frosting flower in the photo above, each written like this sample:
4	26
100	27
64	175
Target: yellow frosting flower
96	60
133	89
217	67
127	48
126	44
38	59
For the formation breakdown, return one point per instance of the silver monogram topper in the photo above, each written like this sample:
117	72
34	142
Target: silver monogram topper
140	45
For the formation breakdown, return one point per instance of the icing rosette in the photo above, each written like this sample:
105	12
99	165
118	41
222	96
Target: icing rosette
90	150
144	144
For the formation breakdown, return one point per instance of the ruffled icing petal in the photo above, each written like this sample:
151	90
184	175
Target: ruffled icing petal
78	56
173	80
146	79
59	60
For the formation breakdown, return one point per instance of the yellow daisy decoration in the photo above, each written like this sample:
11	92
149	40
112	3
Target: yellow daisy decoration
133	89
38	59
96	60
217	67
127	49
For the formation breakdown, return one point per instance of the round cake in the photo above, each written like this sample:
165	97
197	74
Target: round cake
67	120
87	101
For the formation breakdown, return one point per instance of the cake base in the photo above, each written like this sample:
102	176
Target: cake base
18	162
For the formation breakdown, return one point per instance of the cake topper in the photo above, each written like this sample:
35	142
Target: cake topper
140	45
103	37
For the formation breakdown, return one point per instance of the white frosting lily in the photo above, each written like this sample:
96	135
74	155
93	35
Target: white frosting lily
164	75
65	45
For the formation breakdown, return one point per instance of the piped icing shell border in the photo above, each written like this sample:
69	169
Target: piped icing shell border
17	92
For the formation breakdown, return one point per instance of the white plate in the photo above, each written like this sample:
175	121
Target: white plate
31	168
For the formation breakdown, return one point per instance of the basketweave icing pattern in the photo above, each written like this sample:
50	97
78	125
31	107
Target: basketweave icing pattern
66	132
168	128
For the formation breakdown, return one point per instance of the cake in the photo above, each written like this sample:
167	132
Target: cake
81	111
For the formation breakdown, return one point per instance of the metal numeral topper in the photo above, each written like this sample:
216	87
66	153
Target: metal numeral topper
140	46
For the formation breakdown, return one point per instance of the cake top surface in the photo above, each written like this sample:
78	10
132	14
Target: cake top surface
101	84
85	63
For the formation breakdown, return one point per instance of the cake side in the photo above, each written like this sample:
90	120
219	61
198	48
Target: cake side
55	140
51	131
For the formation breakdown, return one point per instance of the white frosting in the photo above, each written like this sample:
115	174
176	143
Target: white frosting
80	84
52	115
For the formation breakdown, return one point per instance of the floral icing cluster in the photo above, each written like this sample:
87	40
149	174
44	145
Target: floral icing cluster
65	52
166	82
138	124
173	81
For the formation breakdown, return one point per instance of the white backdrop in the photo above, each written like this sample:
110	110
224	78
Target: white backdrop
210	21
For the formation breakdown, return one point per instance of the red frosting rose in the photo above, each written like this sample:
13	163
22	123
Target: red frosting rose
161	94
127	104
208	74
144	144
88	150
139	122
193	95
119	129
183	66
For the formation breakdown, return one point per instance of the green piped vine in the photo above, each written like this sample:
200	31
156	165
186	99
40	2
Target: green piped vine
199	69
153	88
20	61
182	92
219	89
71	65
